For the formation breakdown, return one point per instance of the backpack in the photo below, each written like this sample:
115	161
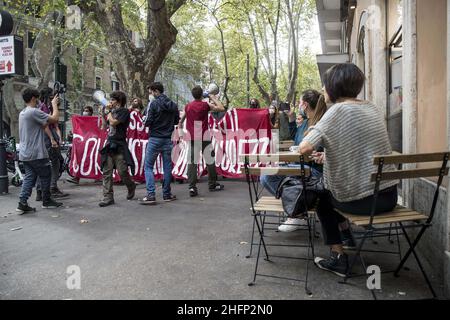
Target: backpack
292	195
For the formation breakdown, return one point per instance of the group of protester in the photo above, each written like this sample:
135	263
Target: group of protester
40	140
339	133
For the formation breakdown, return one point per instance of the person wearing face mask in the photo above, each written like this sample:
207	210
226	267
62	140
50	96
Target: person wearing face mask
254	104
115	154
88	111
274	116
162	117
313	107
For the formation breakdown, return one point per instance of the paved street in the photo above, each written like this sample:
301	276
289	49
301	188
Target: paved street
188	249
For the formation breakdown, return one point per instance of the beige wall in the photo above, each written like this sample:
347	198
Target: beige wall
374	61
395	17
432	76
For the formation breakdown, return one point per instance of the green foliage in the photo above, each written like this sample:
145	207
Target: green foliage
198	52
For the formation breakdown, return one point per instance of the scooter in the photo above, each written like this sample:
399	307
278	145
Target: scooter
13	164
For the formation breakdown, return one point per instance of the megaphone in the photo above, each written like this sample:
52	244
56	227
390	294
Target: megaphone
99	96
212	89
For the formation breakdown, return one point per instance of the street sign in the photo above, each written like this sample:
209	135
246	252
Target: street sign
11	56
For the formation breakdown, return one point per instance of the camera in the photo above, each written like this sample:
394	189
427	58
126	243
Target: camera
284	106
59	88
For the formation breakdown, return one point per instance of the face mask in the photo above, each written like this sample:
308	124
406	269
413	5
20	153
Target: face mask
151	98
86	114
303	113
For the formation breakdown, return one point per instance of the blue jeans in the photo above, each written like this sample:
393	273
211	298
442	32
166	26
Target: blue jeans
36	169
154	148
271	183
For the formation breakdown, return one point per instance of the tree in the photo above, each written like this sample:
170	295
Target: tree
26	14
136	67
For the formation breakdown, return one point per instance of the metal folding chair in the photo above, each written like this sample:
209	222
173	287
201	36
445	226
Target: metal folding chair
401	219
265	208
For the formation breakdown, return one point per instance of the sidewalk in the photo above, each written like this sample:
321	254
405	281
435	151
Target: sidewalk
188	249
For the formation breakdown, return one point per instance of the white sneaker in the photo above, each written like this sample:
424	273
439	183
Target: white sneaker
292	224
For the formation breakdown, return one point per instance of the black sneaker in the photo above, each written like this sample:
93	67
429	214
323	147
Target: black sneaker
131	192
51	204
193	192
336	263
106	203
58	194
24	208
348	242
217	187
148	200
38	195
170	198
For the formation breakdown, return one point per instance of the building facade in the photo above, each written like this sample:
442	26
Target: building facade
88	70
402	47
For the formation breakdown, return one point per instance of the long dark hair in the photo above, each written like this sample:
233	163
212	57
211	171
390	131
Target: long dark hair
316	102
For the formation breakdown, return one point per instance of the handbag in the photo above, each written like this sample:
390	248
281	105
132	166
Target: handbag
292	194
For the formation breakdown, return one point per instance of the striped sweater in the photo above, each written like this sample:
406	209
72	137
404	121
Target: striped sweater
352	133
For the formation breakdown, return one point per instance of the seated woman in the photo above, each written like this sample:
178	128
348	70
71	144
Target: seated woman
352	133
313	106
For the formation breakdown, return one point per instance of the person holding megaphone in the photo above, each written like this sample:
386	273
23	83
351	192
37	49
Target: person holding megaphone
115	154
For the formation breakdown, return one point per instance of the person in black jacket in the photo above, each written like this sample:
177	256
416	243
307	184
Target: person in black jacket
162	117
115	154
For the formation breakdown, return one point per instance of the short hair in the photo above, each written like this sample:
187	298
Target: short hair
29	94
197	92
344	80
156	86
91	110
120	97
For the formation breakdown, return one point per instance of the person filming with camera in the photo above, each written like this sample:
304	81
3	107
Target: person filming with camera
33	151
115	154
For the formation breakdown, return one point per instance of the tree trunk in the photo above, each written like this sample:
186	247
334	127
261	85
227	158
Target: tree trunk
293	34
256	80
136	67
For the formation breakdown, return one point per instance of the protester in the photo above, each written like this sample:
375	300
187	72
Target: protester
274	115
313	107
162	117
88	111
352	133
33	150
285	115
53	141
196	116
115	154
137	106
254	104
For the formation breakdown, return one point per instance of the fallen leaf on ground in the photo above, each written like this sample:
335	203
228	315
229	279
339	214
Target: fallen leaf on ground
16	229
84	221
243	242
402	293
56	216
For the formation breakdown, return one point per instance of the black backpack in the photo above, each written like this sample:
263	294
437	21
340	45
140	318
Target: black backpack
292	195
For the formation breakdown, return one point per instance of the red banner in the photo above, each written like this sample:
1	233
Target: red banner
240	131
